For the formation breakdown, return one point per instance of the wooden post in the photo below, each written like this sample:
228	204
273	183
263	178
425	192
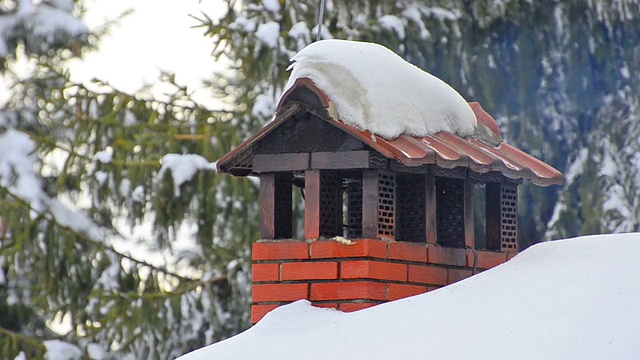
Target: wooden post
493	216
469	221
370	204
267	206
312	204
275	206
430	209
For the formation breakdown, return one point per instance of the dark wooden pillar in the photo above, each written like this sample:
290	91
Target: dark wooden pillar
275	206
469	219
312	204
323	204
378	204
492	216
502	217
430	209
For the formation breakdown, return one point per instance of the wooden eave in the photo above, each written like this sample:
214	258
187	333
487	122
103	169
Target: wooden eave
483	153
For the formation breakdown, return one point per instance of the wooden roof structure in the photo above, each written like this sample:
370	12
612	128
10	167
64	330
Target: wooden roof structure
483	156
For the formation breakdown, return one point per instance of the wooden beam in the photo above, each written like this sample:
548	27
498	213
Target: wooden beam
493	216
275	206
312	204
430	209
267	206
459	172
395	165
280	162
370	204
469	220
340	160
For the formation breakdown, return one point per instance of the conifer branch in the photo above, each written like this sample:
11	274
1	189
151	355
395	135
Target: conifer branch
21	337
102	244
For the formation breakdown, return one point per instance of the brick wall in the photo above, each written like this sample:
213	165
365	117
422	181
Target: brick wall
355	276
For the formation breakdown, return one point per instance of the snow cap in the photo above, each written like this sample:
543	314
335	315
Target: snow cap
374	89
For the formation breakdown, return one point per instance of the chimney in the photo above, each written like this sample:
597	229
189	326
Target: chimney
383	219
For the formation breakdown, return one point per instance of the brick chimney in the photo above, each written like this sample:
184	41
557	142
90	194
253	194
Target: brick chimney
353	275
383	219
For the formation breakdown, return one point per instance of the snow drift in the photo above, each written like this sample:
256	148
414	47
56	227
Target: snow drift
374	89
567	299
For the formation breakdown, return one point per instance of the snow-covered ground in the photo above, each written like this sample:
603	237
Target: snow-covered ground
567	299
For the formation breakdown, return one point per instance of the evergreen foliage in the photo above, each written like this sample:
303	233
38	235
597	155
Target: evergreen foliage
95	170
556	75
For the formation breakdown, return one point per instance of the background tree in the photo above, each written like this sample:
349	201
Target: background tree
556	76
79	169
85	167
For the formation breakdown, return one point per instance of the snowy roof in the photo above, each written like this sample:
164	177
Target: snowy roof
374	89
396	109
567	299
484	152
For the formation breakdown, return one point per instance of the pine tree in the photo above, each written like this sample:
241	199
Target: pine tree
555	75
85	167
79	170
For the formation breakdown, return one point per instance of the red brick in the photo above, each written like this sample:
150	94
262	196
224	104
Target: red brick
455	275
487	259
431	275
351	307
370	269
332	305
361	290
324	249
281	250
259	311
408	251
310	271
447	255
279	292
511	255
266	272
399	291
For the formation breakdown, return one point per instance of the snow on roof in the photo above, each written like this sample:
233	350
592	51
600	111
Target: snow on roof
568	299
374	89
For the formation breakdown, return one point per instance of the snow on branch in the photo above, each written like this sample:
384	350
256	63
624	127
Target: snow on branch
43	24
183	168
19	176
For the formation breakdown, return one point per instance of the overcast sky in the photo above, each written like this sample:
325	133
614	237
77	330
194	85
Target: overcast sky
157	36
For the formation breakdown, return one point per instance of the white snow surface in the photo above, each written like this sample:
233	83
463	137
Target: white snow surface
374	89
565	299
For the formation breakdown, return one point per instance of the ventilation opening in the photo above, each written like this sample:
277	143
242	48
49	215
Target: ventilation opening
411	225
450	211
